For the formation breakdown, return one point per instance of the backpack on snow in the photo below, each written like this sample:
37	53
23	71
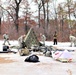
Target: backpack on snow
32	58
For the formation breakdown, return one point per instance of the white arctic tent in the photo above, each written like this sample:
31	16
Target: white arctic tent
56	55
63	56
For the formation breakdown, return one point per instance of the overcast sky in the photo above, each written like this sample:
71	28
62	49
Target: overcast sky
62	1
34	8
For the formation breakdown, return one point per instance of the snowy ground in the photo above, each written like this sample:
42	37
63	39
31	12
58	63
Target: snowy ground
13	64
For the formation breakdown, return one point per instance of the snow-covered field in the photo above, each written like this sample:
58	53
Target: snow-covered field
13	64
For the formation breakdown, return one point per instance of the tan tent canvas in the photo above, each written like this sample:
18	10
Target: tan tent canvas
31	39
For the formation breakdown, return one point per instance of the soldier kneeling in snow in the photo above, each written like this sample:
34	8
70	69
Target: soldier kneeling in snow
47	52
24	51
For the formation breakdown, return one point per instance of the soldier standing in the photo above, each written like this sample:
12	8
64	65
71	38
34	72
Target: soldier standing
43	39
55	38
6	39
21	41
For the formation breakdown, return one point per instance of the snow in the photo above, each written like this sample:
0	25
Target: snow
61	45
46	66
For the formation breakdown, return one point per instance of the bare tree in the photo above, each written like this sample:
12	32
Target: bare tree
69	4
0	18
13	10
61	17
17	2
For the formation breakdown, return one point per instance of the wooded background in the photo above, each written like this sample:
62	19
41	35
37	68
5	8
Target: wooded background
17	17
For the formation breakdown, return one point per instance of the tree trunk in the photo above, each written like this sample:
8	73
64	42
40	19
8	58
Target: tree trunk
44	17
0	25
47	15
39	15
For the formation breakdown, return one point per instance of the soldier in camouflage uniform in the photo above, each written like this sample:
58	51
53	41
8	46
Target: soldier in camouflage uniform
21	41
6	39
43	39
55	38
